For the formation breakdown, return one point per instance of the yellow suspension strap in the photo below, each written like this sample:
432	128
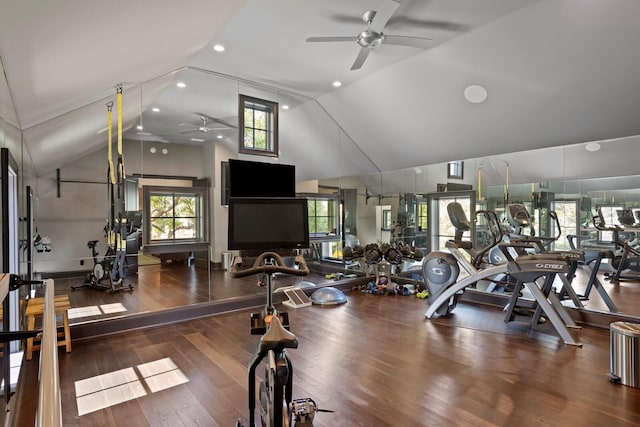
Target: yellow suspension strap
120	155
120	174
506	187
111	176
119	227
479	183
111	171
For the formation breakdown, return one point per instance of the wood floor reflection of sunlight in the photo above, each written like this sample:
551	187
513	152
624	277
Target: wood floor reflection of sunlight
103	391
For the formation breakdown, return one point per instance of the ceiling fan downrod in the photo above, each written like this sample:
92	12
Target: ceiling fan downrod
369	38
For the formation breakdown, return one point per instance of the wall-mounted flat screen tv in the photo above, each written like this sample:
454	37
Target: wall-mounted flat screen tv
268	223
261	179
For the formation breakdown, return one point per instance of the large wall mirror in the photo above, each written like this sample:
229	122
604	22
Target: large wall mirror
14	177
178	130
178	144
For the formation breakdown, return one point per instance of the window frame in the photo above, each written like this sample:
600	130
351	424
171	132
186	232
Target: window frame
271	130
561	208
386	219
201	219
455	169
422	221
332	216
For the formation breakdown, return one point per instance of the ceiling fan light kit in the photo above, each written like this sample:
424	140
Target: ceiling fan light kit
370	39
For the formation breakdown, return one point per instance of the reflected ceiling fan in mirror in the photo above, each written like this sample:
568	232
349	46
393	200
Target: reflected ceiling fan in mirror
203	126
373	36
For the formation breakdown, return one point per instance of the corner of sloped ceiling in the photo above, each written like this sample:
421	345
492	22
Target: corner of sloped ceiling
315	143
69	137
413	113
391	119
615	158
7	110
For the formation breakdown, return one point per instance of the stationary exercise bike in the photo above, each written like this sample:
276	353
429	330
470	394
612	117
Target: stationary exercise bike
113	264
277	407
99	266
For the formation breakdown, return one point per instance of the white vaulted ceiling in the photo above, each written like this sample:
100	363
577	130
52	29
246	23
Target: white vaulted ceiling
556	72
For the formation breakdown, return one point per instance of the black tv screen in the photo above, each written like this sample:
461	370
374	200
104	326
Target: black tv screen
268	223
260	179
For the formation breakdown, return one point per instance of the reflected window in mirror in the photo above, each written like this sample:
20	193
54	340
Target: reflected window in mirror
422	218
174	215
258	126
323	217
609	215
455	170
324	227
568	217
386	219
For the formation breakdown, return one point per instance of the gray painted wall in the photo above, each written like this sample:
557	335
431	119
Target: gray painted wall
82	210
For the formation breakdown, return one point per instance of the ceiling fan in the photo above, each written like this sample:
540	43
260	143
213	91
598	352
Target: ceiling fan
373	35
204	127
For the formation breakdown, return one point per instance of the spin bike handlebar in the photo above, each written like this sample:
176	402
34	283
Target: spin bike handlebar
276	266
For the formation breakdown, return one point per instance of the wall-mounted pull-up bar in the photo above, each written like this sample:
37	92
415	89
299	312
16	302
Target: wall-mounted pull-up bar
77	181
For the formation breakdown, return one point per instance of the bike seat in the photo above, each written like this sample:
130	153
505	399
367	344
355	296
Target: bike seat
92	243
277	337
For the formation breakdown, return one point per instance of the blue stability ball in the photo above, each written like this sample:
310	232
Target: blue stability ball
328	296
303	284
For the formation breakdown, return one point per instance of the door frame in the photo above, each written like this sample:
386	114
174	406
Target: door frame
434	214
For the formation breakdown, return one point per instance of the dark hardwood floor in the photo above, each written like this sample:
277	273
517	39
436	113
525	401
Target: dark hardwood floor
375	361
160	287
625	294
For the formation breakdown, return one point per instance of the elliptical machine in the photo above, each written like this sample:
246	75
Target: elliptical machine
626	261
440	270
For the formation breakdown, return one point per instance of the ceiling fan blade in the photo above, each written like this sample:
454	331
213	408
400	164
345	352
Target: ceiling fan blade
432	24
213	119
398	20
189	131
331	39
347	19
383	14
362	56
421	42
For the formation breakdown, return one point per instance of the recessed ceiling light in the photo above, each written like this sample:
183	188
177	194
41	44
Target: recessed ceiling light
155	109
181	85
475	94
165	151
218	48
592	147
285	107
220	136
197	139
153	150
139	127
337	83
